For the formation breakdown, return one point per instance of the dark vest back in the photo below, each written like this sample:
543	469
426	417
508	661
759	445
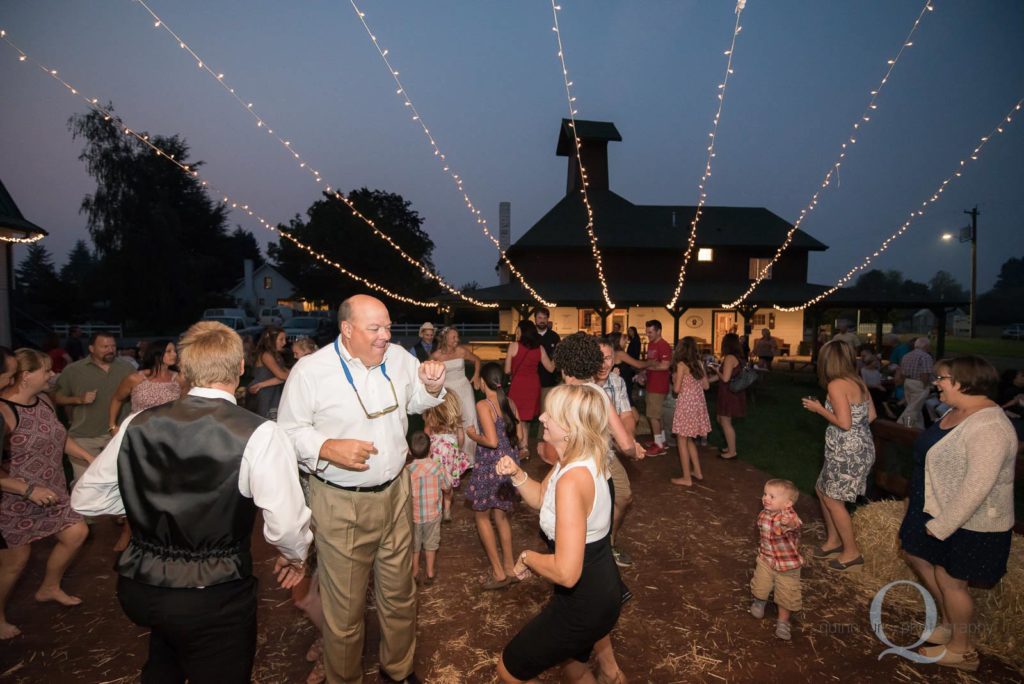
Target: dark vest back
178	473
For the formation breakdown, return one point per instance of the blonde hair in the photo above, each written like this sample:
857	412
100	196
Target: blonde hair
836	359
210	353
583	412
29	361
786	486
305	344
445	417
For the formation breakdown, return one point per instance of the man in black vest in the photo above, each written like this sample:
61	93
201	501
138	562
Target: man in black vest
425	345
549	339
189	475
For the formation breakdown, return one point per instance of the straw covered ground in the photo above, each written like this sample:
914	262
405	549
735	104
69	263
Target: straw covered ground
694	552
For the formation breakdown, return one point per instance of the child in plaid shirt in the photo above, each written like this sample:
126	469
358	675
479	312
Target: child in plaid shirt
425	483
778	557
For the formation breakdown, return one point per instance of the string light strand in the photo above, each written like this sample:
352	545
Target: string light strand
973	156
446	166
595	250
850	140
702	186
262	123
142	138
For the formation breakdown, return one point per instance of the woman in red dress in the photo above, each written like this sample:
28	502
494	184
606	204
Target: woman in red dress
524	357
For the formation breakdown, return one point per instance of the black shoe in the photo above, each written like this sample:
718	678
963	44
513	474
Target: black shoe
411	678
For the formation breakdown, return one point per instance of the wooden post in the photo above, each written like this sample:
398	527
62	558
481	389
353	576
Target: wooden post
604	312
881	314
940	335
676	314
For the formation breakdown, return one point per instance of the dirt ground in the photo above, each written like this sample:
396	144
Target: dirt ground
694	552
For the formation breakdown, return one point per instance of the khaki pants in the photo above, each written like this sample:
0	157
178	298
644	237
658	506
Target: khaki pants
94	445
786	586
916	393
357	532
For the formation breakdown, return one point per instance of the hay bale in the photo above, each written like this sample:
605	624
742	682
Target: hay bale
999	612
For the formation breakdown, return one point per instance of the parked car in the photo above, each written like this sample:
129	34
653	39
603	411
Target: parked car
275	315
221	312
242	326
322	330
1014	332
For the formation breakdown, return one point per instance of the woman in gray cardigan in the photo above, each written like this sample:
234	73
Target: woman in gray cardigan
959	520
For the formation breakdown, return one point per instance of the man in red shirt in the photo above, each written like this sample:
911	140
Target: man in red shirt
659	355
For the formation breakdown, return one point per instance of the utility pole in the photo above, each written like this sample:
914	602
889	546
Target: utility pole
973	213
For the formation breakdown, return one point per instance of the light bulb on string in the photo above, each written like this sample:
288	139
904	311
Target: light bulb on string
935	196
218	77
834	168
702	186
595	250
143	139
436	149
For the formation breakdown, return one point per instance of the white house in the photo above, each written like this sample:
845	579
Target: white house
263	286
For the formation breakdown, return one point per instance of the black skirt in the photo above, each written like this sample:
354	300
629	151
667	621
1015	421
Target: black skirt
573	620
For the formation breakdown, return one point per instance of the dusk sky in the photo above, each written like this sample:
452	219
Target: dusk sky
485	76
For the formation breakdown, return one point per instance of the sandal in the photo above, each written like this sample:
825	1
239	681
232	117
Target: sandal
940	635
821	553
967	661
839	566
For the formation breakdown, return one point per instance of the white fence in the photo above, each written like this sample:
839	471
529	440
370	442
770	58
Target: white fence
88	328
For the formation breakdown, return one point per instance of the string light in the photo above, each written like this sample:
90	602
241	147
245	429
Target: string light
851	140
973	156
22	241
446	166
261	122
702	186
571	99
119	123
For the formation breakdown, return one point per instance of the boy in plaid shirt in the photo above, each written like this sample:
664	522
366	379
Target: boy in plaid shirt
426	485
778	557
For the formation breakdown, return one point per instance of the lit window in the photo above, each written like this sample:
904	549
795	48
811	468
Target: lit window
757	265
705	254
268	282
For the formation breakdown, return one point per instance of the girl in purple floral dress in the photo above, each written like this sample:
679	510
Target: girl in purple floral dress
502	433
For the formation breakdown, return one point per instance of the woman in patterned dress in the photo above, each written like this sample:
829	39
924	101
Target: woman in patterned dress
690	419
34	447
154	384
849	450
502	433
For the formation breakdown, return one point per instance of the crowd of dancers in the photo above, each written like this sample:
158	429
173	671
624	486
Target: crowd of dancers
188	468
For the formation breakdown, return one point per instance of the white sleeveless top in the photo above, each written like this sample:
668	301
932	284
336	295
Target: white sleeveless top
600	517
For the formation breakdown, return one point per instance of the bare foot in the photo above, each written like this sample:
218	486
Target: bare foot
8	631
617	678
698	476
57	595
682	482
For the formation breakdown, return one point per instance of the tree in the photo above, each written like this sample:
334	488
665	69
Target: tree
945	287
37	287
242	245
1004	303
78	282
160	241
890	284
334	231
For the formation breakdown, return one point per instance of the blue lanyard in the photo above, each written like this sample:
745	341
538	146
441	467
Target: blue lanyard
348	373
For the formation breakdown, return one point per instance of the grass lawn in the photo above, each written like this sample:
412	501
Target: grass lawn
986	346
781	438
778	435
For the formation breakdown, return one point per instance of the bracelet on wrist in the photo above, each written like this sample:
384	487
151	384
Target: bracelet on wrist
521	482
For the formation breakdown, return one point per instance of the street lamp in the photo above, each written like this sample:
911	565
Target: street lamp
970	234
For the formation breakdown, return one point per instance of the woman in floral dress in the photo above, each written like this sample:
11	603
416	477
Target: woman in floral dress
33	451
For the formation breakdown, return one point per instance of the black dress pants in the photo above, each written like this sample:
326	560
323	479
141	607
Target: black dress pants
207	636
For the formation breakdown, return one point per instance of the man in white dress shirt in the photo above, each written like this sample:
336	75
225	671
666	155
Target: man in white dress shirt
345	408
189	475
